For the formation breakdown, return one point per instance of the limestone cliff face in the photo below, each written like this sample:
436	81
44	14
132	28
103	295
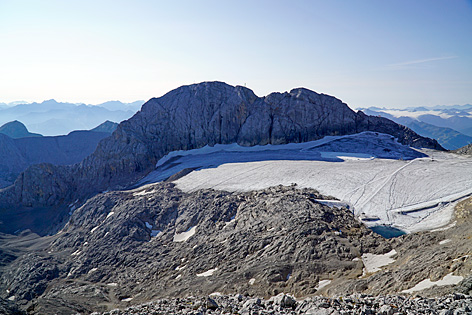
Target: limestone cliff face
208	113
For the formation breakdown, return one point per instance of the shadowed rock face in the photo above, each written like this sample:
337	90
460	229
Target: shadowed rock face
196	115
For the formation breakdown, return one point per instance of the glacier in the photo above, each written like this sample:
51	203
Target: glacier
380	180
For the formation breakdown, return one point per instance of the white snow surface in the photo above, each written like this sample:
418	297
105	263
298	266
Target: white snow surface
93	230
448	279
409	189
207	273
182	237
373	263
322	284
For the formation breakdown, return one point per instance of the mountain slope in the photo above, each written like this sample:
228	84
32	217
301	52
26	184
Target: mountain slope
16	155
16	129
107	126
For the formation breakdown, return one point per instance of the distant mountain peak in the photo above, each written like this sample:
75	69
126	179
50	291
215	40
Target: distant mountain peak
15	129
107	126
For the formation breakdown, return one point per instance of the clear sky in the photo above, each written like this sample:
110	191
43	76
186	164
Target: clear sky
367	53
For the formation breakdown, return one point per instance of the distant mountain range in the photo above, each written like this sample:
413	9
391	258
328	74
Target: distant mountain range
19	148
51	118
450	125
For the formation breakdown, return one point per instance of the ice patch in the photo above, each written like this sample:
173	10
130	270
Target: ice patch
252	281
92	270
180	268
216	294
462	257
182	237
143	193
178	277
155	233
447	227
207	273
444	241
347	156
233	218
322	284
76	253
110	214
372	262
12	298
112	284
148	225
448	279
127	299
93	230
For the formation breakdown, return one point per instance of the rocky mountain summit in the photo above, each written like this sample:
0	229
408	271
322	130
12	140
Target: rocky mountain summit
191	117
130	247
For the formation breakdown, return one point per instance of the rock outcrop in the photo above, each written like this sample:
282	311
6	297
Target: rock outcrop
465	150
205	114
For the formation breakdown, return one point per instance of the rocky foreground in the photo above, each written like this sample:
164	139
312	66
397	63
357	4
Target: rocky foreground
127	248
285	304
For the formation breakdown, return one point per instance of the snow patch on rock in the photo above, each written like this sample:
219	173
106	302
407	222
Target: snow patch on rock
373	263
184	236
448	279
207	273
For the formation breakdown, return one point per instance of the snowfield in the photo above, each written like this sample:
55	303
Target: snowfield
374	175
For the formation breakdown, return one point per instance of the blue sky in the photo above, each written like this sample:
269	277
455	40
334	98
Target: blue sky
367	53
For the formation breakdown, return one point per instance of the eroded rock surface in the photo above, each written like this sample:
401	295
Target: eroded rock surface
132	247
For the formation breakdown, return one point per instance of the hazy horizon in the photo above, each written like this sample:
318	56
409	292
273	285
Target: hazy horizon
365	53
